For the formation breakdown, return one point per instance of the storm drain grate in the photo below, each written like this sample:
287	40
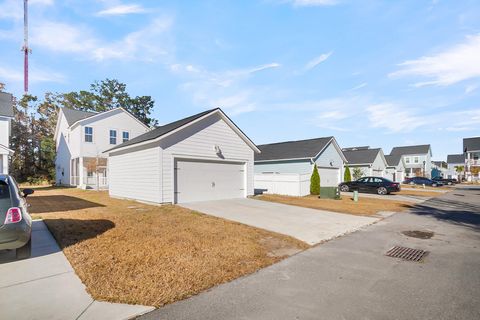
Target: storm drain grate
409	254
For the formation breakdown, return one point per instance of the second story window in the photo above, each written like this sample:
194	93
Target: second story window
88	134
113	136
125	136
415	159
407	160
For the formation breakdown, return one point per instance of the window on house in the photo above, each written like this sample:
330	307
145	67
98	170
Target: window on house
415	159
125	136
88	134
407	160
113	136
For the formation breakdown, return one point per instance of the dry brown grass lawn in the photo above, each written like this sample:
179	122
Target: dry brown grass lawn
128	252
365	206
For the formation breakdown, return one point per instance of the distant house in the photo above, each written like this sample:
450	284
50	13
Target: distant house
372	162
455	161
6	117
471	148
417	159
286	167
439	169
81	138
395	170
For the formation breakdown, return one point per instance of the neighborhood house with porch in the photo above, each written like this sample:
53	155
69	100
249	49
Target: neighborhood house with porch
81	138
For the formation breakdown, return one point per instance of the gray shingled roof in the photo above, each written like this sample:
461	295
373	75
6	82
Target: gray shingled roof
360	156
302	149
393	160
471	144
73	116
161	130
456	158
6	104
419	149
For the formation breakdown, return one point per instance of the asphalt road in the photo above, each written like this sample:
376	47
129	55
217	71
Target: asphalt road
351	278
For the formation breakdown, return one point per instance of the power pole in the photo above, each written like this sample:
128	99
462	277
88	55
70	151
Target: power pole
25	48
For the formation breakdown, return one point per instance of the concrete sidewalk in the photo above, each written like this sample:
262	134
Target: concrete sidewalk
46	287
310	225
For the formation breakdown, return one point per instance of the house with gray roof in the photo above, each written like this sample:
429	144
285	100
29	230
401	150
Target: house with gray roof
81	137
395	170
6	117
417	159
456	166
471	148
369	161
280	162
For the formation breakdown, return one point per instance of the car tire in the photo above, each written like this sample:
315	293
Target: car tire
382	191
344	188
412	183
24	252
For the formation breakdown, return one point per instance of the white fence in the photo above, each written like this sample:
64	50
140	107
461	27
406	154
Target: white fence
287	184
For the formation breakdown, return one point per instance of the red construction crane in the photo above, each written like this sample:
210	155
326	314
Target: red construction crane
25	48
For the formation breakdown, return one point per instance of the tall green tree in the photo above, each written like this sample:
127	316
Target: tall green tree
347	177
315	181
106	95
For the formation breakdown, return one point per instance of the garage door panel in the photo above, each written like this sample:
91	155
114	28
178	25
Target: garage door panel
208	180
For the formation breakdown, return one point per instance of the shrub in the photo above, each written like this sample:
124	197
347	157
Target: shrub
315	182
347	177
357	173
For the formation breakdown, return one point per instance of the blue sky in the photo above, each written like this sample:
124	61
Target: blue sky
378	73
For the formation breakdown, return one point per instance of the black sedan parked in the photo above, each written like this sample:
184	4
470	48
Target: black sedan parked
445	181
423	181
378	185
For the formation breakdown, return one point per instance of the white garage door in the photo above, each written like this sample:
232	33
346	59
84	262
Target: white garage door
198	180
329	177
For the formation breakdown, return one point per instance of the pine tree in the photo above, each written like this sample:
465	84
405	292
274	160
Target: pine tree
315	182
347	177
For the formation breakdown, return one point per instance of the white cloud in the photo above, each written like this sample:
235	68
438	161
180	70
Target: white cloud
144	44
471	88
35	75
360	86
122	9
311	3
468	120
458	63
393	117
228	89
316	61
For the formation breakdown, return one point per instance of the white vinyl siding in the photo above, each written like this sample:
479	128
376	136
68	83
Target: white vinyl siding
198	141
136	174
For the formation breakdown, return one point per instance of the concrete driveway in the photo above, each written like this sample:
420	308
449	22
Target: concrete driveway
309	225
46	287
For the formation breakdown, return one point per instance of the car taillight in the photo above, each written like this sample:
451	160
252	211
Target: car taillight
13	215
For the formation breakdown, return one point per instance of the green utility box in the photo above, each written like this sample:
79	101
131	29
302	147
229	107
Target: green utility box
329	193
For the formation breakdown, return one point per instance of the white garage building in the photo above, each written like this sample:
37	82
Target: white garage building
202	157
